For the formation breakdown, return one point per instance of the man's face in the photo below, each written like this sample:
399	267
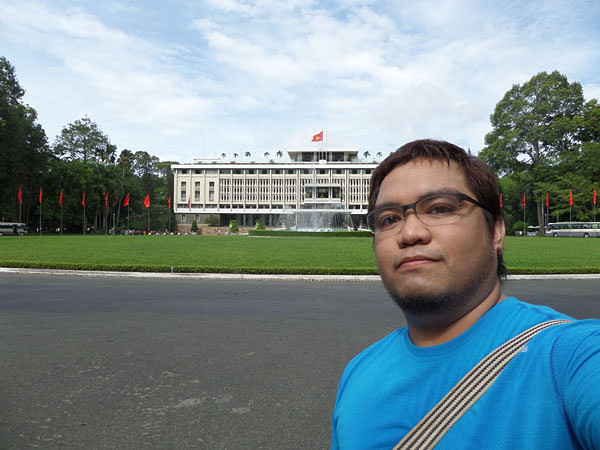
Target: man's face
444	269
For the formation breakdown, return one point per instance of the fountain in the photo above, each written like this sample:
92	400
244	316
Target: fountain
322	210
329	218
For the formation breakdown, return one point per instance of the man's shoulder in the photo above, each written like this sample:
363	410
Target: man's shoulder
378	350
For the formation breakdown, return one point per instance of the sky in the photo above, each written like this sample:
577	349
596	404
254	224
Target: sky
195	79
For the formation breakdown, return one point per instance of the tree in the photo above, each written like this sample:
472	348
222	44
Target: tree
234	227
366	154
194	228
534	126
260	224
223	155
84	140
24	153
235	155
379	155
247	154
267	154
279	153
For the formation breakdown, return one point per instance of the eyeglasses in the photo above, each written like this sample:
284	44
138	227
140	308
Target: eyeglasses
433	209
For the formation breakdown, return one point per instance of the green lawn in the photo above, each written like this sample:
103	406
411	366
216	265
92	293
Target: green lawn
244	254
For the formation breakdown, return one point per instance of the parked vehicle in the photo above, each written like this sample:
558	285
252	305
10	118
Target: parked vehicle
573	229
12	229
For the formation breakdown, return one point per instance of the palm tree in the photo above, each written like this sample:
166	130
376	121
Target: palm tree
223	155
235	155
279	153
247	155
366	154
267	154
379	155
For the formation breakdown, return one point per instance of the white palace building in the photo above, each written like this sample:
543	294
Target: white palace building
332	179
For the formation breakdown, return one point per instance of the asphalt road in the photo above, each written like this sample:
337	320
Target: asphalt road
148	363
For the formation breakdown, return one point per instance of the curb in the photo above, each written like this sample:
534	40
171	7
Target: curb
240	276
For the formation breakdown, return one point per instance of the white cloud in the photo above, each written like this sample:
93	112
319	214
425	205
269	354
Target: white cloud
265	74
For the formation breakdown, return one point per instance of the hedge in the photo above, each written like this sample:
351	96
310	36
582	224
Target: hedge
285	233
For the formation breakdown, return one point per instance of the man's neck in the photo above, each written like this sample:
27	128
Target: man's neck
431	334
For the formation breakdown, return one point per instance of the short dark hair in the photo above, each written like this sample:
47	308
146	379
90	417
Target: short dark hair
478	175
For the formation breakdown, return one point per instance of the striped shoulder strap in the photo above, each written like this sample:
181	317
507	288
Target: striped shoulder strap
432	428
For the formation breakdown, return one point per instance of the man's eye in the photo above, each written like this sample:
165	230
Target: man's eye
440	209
388	220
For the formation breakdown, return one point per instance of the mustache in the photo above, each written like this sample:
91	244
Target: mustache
425	254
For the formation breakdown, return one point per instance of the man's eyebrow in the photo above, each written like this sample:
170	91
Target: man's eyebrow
440	191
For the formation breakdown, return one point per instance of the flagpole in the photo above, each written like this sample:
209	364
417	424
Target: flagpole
148	220
61	215
84	227
40	219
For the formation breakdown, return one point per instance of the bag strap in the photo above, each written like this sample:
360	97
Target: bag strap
432	428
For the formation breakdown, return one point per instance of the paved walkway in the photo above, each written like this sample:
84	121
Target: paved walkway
242	276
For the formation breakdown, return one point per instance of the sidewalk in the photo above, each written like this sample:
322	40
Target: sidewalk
242	276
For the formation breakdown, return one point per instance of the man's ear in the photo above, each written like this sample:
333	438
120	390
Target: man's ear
499	233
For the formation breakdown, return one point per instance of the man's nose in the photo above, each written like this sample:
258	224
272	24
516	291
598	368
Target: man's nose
413	230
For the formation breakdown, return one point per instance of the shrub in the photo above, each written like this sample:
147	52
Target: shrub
194	228
518	227
260	225
233	227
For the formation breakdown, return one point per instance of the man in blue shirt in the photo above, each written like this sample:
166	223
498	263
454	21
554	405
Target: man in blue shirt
438	232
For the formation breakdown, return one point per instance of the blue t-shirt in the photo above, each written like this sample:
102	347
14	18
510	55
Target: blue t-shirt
547	397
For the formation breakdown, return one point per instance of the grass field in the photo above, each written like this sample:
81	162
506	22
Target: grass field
244	254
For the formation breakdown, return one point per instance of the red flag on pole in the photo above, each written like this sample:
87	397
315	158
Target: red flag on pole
20	195
147	201
169	202
524	200
570	197
317	137
60	199
190	202
594	196
547	200
40	196
501	205
126	202
83	199
106	200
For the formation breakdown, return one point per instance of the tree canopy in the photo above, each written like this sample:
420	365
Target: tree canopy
540	131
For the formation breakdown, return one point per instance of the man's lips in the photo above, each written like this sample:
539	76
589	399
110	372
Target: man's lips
409	262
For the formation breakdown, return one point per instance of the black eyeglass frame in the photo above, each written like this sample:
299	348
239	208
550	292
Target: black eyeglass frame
460	197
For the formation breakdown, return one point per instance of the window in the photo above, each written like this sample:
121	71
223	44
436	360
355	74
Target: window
290	171
198	171
225	171
183	191
184	172
277	171
368	171
211	191
197	191
306	171
322	171
251	171
183	218
264	171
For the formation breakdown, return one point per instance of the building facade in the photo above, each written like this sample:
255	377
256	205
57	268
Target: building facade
331	179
